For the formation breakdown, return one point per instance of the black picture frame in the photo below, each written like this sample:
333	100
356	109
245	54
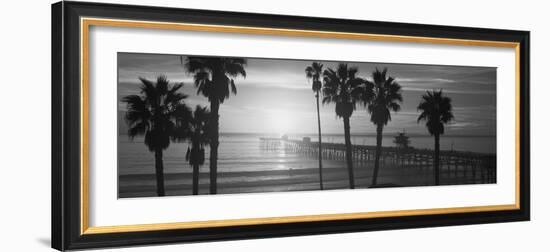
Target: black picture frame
66	141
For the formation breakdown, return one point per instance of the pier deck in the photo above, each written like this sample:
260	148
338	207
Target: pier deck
478	166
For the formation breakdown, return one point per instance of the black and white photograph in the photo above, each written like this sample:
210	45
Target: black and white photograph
272	126
196	124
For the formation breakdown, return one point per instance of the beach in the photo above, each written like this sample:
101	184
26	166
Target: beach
246	166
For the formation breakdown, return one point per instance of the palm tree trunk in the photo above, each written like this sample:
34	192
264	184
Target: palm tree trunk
436	159
348	153
320	144
159	170
379	128
214	143
195	179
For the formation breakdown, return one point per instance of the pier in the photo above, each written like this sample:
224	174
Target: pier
453	165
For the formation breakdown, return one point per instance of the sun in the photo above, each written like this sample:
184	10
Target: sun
280	122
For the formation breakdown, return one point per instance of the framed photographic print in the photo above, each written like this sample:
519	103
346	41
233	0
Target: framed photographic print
178	125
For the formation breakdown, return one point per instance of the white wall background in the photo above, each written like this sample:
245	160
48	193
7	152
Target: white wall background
25	125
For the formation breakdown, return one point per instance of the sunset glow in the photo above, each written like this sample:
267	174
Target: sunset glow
280	122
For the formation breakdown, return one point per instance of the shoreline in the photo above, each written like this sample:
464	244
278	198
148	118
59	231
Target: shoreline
144	185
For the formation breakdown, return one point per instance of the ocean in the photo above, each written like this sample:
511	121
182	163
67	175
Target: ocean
245	166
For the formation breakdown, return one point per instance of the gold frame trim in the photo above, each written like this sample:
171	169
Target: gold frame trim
85	24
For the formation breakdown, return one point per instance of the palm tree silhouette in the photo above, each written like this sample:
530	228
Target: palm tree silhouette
341	87
197	134
214	78
154	114
314	72
386	98
436	110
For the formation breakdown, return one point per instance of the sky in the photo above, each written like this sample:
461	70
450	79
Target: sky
276	97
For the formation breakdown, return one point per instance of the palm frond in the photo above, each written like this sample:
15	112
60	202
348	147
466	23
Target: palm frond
309	72
157	112
344	88
436	110
233	87
138	128
162	85
214	76
196	64
235	67
386	97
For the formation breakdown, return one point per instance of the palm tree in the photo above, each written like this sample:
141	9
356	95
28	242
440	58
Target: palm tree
214	78
154	114
436	111
314	72
197	134
386	98
341	88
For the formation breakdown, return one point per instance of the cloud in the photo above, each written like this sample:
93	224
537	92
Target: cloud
281	85
425	80
463	124
449	91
